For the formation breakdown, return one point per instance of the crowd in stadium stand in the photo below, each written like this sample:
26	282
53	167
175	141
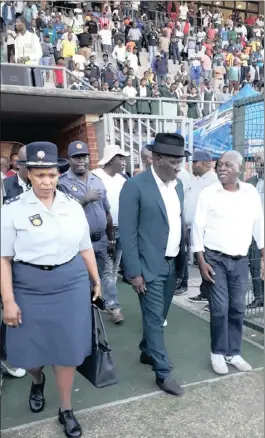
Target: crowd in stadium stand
101	43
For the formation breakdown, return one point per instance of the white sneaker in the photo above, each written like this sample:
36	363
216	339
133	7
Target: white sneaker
218	364
165	323
239	363
15	372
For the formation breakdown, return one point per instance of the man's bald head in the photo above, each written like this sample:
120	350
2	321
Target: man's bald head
228	168
22	153
146	157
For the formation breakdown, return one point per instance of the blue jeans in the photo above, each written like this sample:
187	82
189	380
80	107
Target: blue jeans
152	52
195	74
227	302
155	305
108	272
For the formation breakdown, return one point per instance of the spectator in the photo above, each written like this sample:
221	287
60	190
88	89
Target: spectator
107	75
119	54
234	76
68	49
206	67
106	39
219	72
85	40
79	58
143	106
130	92
135	35
132	59
11	38
58	74
160	68
207	95
225	96
193	110
94	68
27	45
152	43
116	87
8	14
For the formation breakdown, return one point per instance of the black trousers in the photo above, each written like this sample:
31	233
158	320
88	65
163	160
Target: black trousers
10	51
254	265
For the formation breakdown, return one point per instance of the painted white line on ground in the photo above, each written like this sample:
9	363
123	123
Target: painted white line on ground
131	399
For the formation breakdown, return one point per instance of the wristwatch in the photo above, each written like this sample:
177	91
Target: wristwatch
112	242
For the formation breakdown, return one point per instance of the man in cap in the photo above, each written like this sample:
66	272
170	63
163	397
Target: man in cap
89	190
152	240
113	163
204	177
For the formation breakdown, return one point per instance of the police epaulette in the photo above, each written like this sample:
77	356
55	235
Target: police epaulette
8	201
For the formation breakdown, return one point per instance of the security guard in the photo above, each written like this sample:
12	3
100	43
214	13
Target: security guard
91	193
46	260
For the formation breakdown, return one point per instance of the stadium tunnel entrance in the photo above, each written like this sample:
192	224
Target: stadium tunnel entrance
60	116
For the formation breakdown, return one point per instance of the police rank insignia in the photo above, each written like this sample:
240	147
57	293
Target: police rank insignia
36	220
75	189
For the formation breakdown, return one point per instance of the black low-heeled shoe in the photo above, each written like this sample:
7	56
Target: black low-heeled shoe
36	397
72	428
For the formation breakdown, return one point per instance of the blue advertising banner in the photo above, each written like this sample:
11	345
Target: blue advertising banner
214	132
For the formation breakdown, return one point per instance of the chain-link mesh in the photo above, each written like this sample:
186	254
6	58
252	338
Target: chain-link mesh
248	139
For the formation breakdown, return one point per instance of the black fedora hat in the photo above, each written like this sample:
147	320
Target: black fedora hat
42	154
169	144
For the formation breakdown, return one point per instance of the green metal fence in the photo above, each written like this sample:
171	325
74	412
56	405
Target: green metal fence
248	139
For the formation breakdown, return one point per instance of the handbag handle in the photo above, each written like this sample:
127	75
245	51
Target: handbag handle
97	313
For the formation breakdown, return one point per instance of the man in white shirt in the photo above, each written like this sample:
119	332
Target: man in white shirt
204	177
119	53
228	214
114	163
27	45
152	238
105	35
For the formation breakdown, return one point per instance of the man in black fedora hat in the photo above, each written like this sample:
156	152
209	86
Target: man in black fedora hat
152	239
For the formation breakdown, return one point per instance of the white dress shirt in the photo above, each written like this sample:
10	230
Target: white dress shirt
186	179
28	45
172	204
226	221
34	234
21	183
192	195
113	185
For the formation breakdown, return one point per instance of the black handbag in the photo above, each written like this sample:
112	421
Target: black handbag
99	368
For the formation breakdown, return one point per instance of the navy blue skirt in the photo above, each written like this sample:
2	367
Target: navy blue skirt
56	313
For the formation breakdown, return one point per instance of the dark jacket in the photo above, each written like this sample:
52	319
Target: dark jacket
144	228
12	188
253	180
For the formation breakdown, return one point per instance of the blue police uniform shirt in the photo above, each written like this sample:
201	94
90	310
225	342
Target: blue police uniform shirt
95	211
32	233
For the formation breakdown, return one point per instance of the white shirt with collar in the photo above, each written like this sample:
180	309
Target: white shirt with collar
226	221
21	183
34	234
113	185
192	195
171	200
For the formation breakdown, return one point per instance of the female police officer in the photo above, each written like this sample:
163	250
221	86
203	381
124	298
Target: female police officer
46	256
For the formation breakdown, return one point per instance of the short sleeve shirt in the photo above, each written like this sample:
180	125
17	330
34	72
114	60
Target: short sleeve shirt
95	211
32	233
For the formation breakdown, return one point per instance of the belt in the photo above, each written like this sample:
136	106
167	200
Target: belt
43	267
221	254
96	237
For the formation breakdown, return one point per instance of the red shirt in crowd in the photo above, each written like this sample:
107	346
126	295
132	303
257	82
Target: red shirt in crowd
10	172
58	76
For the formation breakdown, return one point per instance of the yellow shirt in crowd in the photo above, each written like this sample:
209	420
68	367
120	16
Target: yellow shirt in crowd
68	48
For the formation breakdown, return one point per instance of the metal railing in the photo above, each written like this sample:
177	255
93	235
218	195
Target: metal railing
248	139
66	73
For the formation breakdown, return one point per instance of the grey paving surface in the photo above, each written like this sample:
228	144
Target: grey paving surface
230	407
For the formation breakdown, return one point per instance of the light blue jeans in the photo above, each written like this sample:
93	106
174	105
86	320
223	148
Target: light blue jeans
108	272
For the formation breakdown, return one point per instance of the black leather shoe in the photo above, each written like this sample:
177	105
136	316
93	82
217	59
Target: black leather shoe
36	397
146	360
256	304
170	386
72	428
